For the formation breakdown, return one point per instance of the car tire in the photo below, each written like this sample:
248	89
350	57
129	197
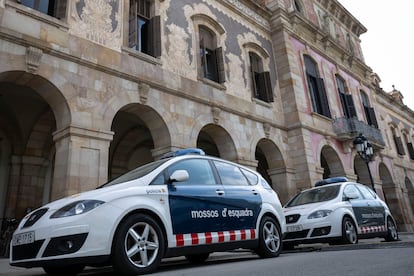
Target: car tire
72	270
349	231
270	238
138	245
197	258
392	233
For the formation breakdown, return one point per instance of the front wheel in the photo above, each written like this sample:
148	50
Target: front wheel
270	241
138	245
392	233
349	231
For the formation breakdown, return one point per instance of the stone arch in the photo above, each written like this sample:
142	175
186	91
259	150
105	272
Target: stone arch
216	141
271	165
390	194
141	135
31	110
331	162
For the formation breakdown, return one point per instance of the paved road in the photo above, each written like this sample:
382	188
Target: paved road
406	240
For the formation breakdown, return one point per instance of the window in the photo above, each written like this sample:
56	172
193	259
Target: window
55	8
347	102
409	147
199	171
211	57
250	176
369	111
367	193
262	87
316	88
230	175
398	142
350	191
144	30
298	6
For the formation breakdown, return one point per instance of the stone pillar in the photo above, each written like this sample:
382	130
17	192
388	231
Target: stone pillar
283	182
81	161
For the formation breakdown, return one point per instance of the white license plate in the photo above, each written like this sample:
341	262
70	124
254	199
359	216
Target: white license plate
23	238
294	228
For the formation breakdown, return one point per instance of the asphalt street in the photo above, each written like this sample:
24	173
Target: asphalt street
406	240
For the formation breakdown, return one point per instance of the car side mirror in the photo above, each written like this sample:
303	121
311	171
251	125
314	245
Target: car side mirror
179	176
351	196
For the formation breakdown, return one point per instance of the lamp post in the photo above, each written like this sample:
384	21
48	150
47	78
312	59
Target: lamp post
365	151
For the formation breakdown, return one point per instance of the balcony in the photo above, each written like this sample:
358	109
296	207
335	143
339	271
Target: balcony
348	128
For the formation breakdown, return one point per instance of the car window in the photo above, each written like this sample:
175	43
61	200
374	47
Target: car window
366	192
230	175
253	179
199	171
350	191
315	195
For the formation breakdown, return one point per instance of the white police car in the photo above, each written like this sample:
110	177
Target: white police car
337	210
186	204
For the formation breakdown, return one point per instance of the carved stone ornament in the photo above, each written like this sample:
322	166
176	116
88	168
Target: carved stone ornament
33	56
266	128
143	90
216	114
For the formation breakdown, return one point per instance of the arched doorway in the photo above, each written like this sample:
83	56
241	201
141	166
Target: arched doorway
272	167
31	109
138	130
410	189
390	194
361	170
331	163
216	141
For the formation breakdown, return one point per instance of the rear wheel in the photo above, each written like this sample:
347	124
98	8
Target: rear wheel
349	231
197	258
392	233
270	238
138	245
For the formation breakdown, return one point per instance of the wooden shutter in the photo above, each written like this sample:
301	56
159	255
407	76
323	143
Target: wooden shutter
410	150
399	145
372	118
350	106
154	37
221	74
60	9
265	87
133	24
322	97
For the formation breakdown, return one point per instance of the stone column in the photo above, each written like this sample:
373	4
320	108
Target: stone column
283	182
81	161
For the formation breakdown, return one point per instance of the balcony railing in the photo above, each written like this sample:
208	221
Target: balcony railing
349	128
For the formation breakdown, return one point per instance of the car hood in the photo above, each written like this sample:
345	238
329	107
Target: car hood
105	194
307	208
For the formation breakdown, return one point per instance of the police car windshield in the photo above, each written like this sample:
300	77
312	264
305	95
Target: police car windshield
136	173
315	195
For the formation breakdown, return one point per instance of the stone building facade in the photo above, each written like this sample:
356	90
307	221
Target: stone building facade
92	88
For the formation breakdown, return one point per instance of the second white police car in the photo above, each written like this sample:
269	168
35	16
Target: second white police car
337	211
185	204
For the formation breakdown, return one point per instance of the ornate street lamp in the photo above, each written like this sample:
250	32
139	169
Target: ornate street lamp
365	151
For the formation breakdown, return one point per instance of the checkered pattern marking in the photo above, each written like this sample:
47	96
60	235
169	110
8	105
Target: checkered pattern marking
214	237
373	229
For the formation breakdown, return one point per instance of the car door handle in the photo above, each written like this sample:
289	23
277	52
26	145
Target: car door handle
255	192
220	192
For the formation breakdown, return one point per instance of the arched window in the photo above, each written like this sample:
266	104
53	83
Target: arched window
144	28
347	102
298	6
211	56
398	141
369	111
261	85
316	88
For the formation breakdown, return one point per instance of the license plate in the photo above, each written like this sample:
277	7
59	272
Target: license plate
23	238
294	228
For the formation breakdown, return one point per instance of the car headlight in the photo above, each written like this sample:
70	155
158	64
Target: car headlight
76	208
319	214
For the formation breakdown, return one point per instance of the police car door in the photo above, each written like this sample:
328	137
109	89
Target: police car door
195	204
359	205
377	211
243	201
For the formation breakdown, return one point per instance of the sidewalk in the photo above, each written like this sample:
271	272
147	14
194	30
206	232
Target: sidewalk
406	240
